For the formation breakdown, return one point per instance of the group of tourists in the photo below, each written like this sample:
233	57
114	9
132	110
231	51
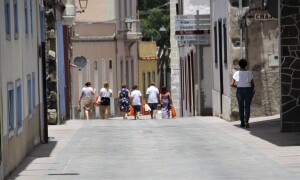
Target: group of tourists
127	100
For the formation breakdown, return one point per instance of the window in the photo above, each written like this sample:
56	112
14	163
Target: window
16	20
120	14
122	71
149	79
215	42
220	39
103	70
26	16
130	8
31	24
132	73
29	97
95	65
7	18
125	8
127	72
153	76
33	90
19	103
10	106
42	24
225	40
144	84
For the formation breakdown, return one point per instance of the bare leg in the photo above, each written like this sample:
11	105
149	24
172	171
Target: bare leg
102	112
154	114
106	113
87	114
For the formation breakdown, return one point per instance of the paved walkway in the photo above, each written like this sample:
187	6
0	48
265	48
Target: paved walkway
187	148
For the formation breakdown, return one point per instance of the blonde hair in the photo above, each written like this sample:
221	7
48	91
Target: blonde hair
106	85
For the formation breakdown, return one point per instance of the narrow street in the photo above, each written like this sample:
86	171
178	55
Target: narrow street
189	148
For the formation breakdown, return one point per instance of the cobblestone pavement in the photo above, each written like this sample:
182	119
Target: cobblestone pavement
184	148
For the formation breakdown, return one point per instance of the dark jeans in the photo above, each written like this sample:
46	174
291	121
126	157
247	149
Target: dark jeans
244	97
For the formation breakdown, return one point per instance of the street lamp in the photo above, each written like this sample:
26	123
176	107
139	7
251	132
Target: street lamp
83	5
163	64
162	30
128	24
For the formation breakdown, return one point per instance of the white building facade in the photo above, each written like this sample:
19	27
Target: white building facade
190	65
21	34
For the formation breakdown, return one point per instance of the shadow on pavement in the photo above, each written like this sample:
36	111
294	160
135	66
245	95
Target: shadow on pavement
269	130
40	151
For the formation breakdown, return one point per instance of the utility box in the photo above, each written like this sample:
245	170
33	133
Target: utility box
273	60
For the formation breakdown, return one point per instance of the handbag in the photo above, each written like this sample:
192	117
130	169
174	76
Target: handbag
105	101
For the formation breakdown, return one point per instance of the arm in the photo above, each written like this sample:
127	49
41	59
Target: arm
94	90
159	99
170	98
110	93
232	83
81	97
147	95
252	86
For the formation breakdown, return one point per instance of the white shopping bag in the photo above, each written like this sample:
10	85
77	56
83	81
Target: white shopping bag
147	108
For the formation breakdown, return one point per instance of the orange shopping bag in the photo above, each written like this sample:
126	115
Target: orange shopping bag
96	104
173	111
131	112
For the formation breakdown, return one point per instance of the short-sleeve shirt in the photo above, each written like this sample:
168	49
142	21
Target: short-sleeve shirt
152	92
105	92
87	91
243	78
136	100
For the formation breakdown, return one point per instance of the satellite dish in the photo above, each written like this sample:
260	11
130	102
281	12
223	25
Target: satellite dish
80	61
272	8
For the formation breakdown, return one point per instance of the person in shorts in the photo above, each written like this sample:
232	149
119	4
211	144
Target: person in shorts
152	99
136	101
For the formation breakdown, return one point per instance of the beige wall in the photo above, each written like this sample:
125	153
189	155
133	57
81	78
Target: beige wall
18	146
97	10
97	45
18	58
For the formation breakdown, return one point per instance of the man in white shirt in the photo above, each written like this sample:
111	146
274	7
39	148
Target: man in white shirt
136	101
152	98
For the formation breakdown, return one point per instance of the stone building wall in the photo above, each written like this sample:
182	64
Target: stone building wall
290	65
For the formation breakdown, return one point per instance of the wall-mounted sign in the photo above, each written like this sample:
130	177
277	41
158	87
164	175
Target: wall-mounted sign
175	71
263	16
